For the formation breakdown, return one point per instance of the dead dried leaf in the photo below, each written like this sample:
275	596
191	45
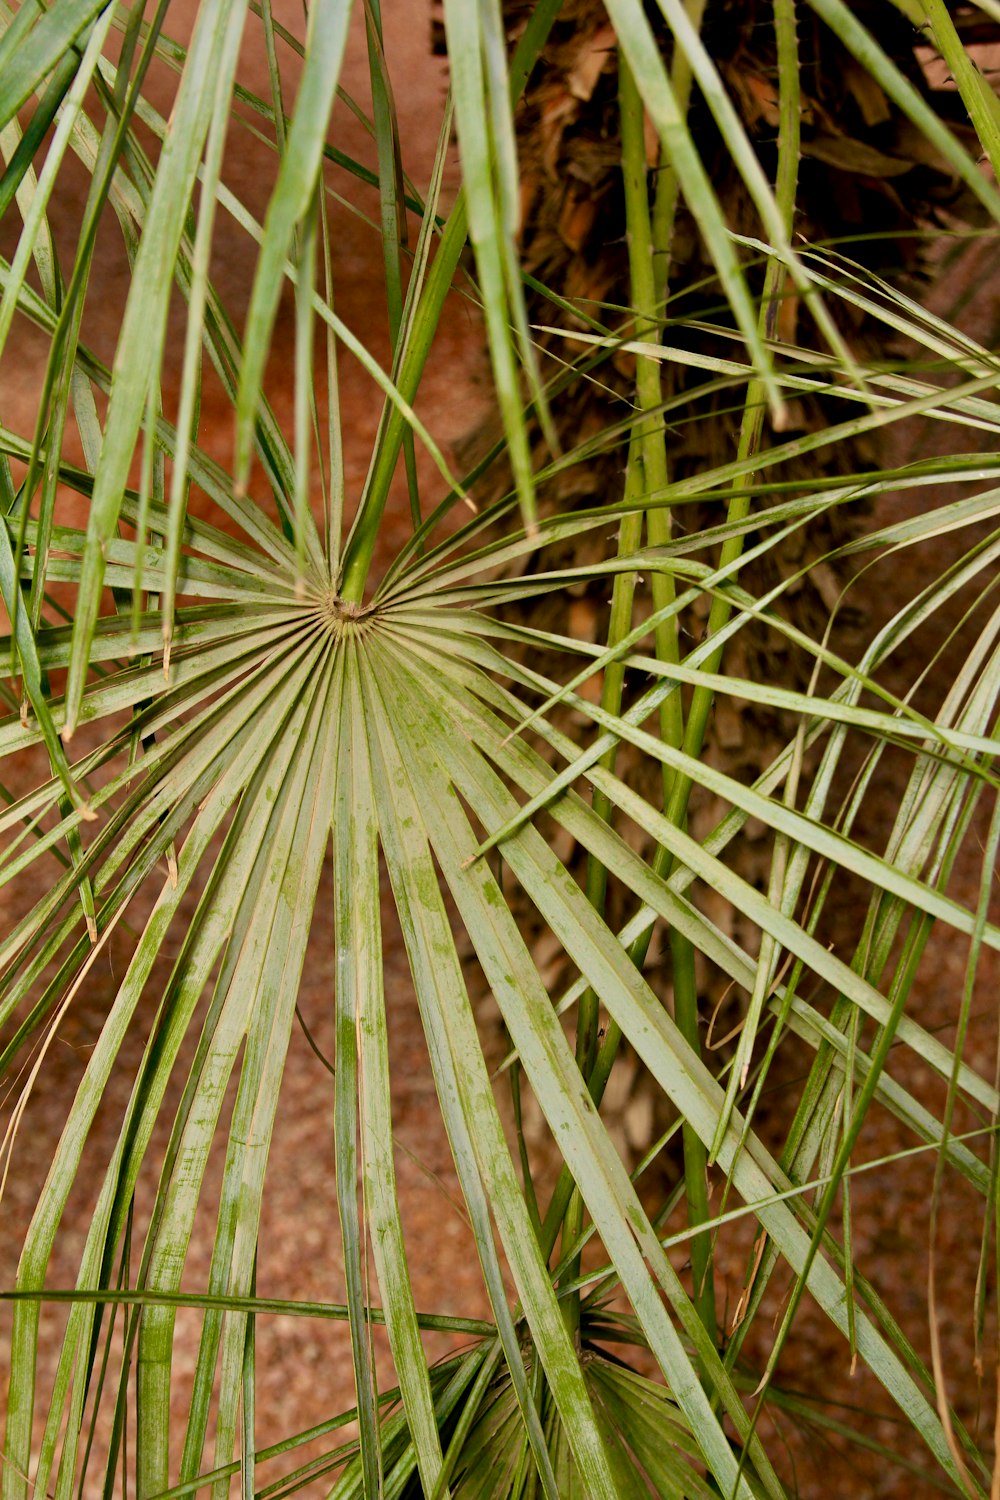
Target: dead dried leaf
576	219
764	94
591	61
867	94
854	156
556	109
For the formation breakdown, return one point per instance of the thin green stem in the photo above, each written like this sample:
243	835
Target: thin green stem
392	199
685	996
754	405
360	547
685	993
588	1012
668	185
647	470
647	250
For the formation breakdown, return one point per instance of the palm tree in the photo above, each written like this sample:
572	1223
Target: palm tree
223	690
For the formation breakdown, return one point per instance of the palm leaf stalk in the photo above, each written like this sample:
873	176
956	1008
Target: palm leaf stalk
218	679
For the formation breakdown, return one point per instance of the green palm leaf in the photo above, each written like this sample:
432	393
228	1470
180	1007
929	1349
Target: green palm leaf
240	697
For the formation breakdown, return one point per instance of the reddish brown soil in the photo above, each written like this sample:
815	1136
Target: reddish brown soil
304	1369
